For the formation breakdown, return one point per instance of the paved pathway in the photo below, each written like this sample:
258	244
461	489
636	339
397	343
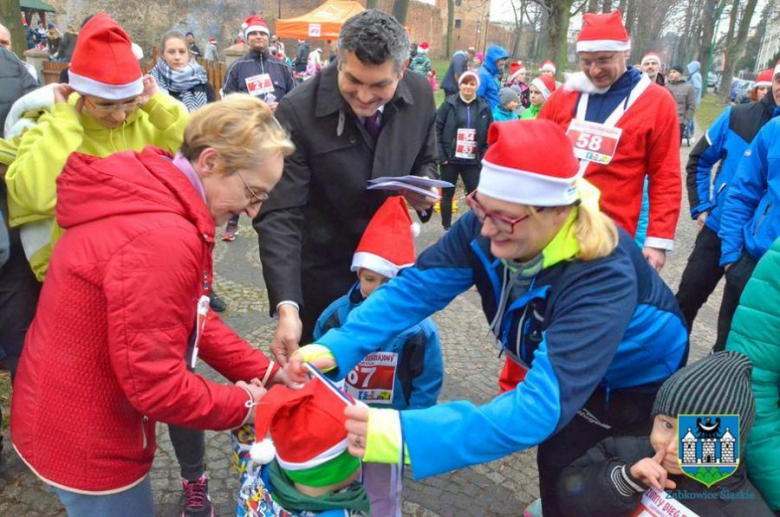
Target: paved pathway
500	488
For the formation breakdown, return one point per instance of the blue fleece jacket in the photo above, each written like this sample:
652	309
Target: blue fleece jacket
604	324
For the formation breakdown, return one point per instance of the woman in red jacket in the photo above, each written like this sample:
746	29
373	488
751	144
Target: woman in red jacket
124	309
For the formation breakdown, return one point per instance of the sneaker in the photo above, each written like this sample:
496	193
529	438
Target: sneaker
217	304
197	502
231	230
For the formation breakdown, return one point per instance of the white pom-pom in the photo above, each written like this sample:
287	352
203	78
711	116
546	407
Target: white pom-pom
415	229
244	25
263	452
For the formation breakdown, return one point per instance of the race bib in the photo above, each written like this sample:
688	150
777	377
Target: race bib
373	379
659	504
593	142
259	85
466	144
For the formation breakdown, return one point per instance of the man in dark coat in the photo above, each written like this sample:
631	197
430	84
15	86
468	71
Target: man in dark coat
360	118
458	65
301	56
259	73
18	287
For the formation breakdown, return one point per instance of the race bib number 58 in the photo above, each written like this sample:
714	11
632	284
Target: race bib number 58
593	142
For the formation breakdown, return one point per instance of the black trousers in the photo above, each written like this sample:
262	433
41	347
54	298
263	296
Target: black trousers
737	278
623	413
701	275
190	448
450	173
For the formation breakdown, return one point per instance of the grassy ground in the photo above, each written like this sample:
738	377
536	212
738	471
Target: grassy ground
5	397
708	110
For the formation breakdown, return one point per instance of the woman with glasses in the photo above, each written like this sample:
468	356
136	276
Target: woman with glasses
569	299
123	316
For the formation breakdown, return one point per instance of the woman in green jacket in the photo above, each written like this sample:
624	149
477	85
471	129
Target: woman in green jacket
754	332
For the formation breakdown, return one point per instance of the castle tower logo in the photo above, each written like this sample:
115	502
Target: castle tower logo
708	448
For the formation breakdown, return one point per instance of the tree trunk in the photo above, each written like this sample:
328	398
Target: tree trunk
518	26
736	47
450	26
607	6
10	17
629	16
708	23
400	10
593	6
555	37
725	80
372	4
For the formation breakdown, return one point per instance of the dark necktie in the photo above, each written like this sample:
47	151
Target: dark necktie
372	125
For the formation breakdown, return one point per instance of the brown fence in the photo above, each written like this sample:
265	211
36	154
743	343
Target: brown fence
215	70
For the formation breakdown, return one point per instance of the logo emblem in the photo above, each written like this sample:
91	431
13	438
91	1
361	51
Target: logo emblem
708	448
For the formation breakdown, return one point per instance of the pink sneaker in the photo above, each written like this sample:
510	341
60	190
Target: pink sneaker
197	502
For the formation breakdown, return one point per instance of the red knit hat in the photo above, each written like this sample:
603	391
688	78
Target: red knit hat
651	56
603	33
548	65
255	24
387	246
764	78
546	85
103	62
511	173
307	433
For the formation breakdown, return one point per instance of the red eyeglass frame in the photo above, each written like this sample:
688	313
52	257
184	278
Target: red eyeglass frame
477	207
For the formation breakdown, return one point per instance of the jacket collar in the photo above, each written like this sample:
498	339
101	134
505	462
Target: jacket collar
329	99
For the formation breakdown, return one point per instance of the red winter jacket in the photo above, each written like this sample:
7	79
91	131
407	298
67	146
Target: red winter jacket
104	357
648	146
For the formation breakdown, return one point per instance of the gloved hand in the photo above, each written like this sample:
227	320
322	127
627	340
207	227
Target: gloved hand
317	355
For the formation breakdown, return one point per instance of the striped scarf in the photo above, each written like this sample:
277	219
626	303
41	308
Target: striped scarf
183	82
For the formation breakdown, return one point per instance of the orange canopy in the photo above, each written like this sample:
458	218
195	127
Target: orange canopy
322	23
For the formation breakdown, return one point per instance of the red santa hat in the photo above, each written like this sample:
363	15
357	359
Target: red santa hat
545	84
548	65
651	56
469	73
212	40
515	68
103	62
765	78
603	33
525	178
387	246
423	47
304	430
255	24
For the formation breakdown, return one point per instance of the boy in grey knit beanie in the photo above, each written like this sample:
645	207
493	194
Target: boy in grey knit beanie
611	478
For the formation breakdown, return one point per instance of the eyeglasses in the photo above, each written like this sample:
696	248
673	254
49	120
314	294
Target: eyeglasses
256	200
503	223
106	109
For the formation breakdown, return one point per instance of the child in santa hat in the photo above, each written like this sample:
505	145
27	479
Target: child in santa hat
541	89
407	372
298	463
517	81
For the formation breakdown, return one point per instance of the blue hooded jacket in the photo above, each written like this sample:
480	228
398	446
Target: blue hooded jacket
488	72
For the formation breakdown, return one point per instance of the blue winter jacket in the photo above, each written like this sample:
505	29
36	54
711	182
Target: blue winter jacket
725	141
488	75
606	324
420	369
752	203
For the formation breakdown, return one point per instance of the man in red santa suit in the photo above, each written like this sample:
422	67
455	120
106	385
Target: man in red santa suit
624	128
